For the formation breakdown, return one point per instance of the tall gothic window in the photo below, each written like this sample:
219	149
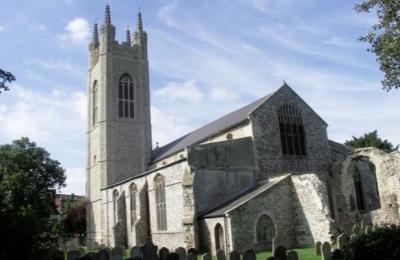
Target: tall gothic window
125	96
132	191
115	205
291	130
159	186
94	103
265	229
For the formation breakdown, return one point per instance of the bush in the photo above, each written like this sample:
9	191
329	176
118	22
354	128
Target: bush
382	243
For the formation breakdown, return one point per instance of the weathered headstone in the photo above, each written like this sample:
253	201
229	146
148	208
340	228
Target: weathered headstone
191	256
192	250
103	254
353	236
326	251
280	253
206	256
117	253
318	248
234	255
57	254
181	252
337	254
292	255
73	254
220	254
249	255
356	229
368	229
136	252
173	256
163	253
91	256
149	251
342	241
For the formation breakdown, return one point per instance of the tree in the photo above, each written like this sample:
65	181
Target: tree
372	140
28	177
384	38
5	77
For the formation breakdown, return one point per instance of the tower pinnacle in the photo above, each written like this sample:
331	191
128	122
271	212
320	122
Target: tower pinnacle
107	15
95	38
139	24
128	35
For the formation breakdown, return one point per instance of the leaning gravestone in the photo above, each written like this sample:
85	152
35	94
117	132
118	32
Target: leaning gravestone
206	256
173	256
326	251
136	252
249	255
280	253
149	251
191	256
117	253
342	241
103	254
234	255
318	248
91	256
220	254
163	253
181	252
292	255
73	254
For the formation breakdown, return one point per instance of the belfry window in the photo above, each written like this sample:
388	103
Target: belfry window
291	131
94	103
161	211
125	96
132	191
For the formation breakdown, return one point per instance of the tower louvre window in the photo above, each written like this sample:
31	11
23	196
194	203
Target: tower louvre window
125	96
94	103
291	131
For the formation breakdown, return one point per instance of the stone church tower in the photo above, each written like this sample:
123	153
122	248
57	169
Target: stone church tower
119	128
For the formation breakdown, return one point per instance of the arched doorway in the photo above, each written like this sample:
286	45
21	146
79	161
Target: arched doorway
265	232
219	237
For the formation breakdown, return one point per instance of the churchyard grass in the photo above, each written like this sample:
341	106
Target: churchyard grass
304	254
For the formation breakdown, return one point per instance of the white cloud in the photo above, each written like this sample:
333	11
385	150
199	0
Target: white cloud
76	180
77	30
223	94
59	64
187	91
1	28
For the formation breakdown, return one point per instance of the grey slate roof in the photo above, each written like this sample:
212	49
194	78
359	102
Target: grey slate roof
244	197
208	130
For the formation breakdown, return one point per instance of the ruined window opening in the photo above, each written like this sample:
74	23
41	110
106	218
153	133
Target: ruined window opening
115	206
265	230
229	136
161	210
219	237
125	97
132	191
94	103
291	131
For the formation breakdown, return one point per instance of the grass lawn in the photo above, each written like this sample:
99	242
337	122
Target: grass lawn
304	254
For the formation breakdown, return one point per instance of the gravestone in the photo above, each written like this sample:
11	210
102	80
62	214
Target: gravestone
191	256
56	254
352	237
91	256
149	251
292	255
173	256
206	256
103	254
117	253
368	229
326	251
136	252
337	254
181	252
220	254
249	255
163	253
318	248
73	254
271	258
280	253
192	250
356	229
234	255
342	241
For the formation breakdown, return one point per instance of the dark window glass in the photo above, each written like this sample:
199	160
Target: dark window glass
125	96
291	131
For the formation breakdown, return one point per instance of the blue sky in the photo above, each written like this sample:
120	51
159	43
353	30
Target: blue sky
207	58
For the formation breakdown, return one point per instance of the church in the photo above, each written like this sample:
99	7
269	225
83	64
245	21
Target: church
265	172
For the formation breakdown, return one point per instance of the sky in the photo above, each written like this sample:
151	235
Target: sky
207	58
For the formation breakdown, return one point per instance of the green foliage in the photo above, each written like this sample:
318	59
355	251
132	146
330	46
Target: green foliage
28	177
384	38
372	140
382	243
5	77
72	221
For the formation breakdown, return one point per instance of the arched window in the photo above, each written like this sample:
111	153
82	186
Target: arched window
359	191
94	103
159	186
115	205
265	229
132	191
219	237
291	131
125	96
